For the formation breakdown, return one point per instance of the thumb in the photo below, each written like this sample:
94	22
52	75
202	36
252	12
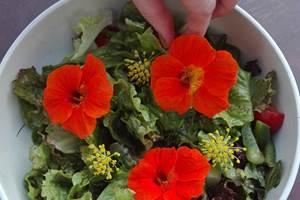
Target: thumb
156	13
199	13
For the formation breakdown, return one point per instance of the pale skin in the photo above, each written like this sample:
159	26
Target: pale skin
199	14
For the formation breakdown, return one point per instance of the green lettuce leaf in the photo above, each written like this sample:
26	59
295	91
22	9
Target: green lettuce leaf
33	183
119	132
127	160
81	178
235	174
85	196
34	117
112	57
134	34
63	141
135	116
149	42
126	98
100	135
134	26
253	190
170	121
40	156
117	190
89	28
56	185
120	46
255	172
129	11
240	110
46	70
273	176
262	91
145	131
79	191
68	162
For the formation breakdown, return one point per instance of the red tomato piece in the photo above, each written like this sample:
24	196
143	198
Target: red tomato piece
272	117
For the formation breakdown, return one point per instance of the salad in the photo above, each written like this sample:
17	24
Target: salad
123	118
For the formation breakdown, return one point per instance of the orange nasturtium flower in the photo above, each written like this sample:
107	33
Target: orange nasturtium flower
74	97
193	74
169	174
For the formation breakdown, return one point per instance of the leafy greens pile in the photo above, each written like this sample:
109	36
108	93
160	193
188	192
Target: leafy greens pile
136	124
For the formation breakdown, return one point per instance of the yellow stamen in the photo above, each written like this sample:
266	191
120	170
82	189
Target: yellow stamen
220	149
193	77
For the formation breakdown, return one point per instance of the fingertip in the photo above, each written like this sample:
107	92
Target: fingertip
199	14
197	27
157	14
223	6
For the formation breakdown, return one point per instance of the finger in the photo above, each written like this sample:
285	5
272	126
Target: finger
224	6
156	13
199	13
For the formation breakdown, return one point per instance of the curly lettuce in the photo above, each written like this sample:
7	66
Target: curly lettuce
88	29
240	110
262	91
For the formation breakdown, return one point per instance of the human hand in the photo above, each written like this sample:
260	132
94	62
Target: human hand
199	14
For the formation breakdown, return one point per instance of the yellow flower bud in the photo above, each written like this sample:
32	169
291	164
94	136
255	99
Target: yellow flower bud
138	68
101	161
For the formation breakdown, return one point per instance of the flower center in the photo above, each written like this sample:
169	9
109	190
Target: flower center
161	179
165	181
78	95
192	76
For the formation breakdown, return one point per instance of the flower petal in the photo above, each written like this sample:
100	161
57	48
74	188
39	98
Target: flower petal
165	66
192	50
141	181
163	159
212	97
80	124
223	70
208	104
61	83
92	67
99	94
191	165
171	95
172	195
99	90
57	105
66	78
190	189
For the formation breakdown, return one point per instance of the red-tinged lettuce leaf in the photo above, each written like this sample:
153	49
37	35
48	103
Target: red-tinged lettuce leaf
29	86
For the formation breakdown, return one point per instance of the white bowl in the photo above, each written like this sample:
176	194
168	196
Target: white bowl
48	38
